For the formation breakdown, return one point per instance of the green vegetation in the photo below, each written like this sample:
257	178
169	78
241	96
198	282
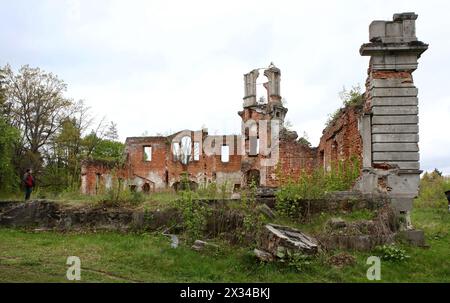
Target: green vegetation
432	188
114	257
9	137
194	212
350	98
315	186
391	253
43	130
27	256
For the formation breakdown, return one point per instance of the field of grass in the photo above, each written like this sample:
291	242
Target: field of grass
27	256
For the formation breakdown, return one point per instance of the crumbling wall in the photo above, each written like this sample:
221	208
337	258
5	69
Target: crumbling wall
341	140
98	176
381	134
147	175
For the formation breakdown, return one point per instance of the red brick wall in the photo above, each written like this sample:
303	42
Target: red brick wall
341	140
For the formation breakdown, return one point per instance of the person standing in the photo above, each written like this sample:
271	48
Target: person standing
28	180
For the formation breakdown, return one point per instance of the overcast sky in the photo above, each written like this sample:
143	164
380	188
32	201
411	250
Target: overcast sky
164	66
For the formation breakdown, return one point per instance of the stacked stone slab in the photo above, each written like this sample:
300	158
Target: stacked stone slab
390	122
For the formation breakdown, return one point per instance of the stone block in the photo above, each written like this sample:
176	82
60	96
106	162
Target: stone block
366	135
402	204
395	156
395	147
389	101
395	138
395	110
377	30
395	129
395	92
404	119
414	237
404	185
394	29
394	60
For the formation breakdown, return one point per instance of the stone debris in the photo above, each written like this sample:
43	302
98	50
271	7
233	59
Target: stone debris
174	239
277	238
263	255
200	245
337	223
413	237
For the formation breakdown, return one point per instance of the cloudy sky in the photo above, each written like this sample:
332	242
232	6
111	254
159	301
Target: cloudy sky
163	66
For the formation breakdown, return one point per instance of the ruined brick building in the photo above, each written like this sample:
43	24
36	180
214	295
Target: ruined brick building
382	134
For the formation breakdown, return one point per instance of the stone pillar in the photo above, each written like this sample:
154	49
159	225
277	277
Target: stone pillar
390	123
250	88
273	73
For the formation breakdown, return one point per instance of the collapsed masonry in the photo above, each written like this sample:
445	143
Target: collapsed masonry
382	134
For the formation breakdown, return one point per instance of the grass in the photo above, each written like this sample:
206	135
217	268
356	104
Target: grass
152	201
27	256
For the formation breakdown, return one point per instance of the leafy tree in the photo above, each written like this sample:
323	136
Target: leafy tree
112	133
37	105
108	150
8	138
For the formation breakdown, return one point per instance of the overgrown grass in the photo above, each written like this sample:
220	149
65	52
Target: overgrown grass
114	257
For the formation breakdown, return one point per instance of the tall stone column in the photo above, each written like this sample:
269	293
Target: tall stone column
390	122
250	88
273	73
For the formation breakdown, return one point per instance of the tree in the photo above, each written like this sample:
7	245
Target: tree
112	133
8	138
38	106
2	89
108	150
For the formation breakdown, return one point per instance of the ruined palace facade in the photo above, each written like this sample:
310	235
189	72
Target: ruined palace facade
382	134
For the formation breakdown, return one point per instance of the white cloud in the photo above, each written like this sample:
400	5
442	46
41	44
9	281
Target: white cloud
168	65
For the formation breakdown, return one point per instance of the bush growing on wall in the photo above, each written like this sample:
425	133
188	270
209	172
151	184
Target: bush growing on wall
315	185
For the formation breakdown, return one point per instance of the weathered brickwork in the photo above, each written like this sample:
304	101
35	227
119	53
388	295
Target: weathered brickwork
341	140
98	176
381	134
163	167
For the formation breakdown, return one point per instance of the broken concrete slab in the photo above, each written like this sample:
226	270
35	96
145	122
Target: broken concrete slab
276	237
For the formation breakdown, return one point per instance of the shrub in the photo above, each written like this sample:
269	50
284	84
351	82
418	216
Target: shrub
314	185
208	190
194	213
432	188
119	195
391	253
